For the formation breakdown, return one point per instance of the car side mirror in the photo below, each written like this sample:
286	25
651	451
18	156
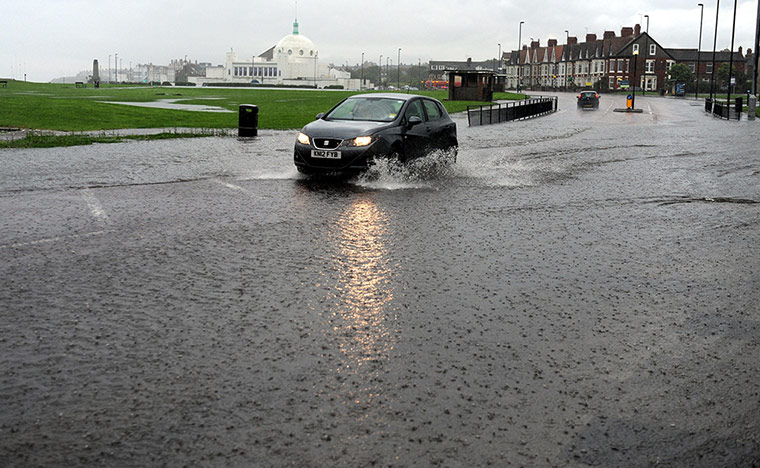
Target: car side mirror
414	120
320	115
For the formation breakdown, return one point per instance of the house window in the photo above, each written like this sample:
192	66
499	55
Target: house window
620	65
652	49
691	67
709	67
635	49
612	82
650	66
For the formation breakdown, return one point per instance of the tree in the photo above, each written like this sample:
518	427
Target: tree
741	78
682	73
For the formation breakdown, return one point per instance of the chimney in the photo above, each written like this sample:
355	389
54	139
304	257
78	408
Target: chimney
525	47
590	37
572	40
553	43
740	52
535	44
609	34
626	32
637	30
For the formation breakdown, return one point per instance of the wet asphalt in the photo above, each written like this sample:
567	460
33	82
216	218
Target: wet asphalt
581	289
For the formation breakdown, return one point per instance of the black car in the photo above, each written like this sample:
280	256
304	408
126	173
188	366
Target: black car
588	100
364	127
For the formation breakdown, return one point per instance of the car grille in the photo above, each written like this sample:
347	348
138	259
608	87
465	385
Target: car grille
327	143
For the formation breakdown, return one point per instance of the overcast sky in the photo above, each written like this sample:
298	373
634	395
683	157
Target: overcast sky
51	38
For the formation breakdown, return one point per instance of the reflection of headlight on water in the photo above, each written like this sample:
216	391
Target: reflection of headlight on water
362	247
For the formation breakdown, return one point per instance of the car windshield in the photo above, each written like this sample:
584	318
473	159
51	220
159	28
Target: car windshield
367	108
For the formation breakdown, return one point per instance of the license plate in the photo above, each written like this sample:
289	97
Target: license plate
322	154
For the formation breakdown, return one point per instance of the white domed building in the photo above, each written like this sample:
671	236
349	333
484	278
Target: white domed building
294	61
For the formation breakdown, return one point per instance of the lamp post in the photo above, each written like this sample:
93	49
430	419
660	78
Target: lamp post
116	67
715	44
109	68
316	57
635	62
567	57
398	73
387	70
380	71
361	84
646	54
519	54
731	66
419	67
498	58
699	47
757	44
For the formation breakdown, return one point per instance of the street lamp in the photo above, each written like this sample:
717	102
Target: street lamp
567	56
519	54
699	47
731	66
116	66
715	45
109	68
387	70
361	84
398	73
757	45
646	54
380	71
498	57
635	62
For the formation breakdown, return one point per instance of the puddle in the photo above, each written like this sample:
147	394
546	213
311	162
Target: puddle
172	104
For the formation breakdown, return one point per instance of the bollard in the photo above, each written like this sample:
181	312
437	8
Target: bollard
248	120
751	105
629	101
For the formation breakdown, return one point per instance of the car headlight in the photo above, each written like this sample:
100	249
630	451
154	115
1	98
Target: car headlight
303	138
361	141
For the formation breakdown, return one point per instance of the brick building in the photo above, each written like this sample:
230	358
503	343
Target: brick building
609	62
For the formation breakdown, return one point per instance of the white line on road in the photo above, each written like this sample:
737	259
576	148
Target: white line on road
236	187
96	210
56	239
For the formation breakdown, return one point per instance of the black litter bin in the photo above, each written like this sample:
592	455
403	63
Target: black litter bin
248	120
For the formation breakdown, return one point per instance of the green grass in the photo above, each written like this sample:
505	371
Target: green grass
36	140
67	108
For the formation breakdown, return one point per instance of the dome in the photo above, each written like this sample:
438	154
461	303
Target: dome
296	45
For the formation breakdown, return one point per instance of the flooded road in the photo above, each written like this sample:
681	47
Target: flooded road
581	289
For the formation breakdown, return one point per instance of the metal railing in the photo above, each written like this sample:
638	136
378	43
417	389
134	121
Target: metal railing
723	109
516	110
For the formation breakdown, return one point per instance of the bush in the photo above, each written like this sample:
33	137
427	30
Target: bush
183	83
337	86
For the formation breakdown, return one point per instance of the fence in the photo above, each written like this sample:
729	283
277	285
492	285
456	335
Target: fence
723	109
517	110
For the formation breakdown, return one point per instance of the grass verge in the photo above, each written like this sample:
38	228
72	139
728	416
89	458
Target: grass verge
67	108
36	140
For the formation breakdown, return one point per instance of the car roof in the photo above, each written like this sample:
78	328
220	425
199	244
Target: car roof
399	96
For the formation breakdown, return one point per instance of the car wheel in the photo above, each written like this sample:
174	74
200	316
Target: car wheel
396	155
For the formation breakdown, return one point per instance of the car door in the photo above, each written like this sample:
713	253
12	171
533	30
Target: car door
438	125
416	136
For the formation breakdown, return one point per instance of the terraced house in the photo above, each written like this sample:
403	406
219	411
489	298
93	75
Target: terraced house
611	62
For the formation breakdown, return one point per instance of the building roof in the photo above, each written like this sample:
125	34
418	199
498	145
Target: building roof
687	55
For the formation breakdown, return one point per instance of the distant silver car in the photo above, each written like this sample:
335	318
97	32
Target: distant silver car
588	100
